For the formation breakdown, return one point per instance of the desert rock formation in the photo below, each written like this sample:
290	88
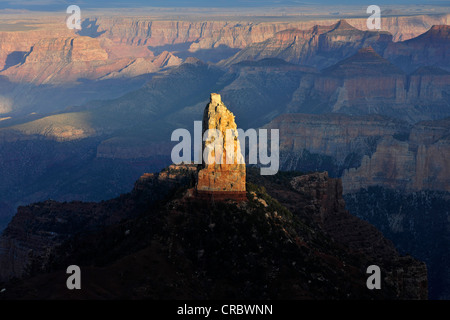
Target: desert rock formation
218	175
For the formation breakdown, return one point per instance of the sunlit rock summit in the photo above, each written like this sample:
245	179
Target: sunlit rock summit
222	175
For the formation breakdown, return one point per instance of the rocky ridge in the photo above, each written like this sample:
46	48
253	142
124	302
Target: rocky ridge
319	46
65	60
238	34
322	46
303	246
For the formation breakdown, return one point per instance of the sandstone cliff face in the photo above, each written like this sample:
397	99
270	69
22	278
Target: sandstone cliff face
56	60
418	163
391	165
367	150
430	48
323	46
405	27
335	135
119	49
55	55
212	34
223	167
361	78
66	50
320	46
428	84
367	83
128	37
15	44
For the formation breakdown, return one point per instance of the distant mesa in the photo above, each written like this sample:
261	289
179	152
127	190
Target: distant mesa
219	180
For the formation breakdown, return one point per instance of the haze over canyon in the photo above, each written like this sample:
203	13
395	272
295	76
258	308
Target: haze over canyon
85	113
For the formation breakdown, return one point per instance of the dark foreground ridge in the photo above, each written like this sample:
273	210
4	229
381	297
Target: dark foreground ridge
292	239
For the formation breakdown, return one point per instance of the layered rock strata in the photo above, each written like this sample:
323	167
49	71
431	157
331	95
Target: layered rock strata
223	170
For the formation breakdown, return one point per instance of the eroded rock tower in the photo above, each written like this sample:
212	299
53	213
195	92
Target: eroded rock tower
222	173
